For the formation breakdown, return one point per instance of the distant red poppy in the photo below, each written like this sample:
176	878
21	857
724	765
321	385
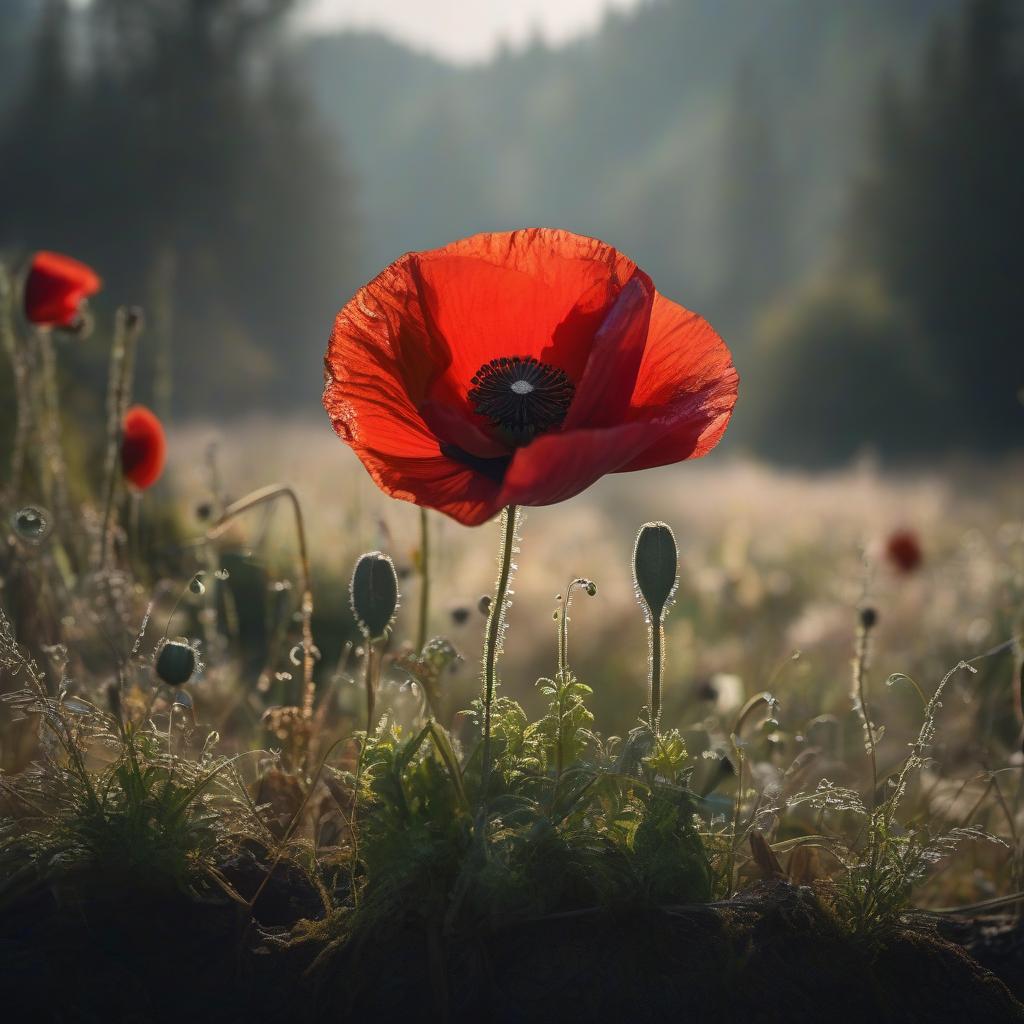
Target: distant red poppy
519	368
143	447
55	289
903	550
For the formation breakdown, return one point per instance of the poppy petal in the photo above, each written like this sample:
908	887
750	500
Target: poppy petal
538	292
378	348
687	369
143	447
604	391
55	288
453	426
379	362
556	467
438	481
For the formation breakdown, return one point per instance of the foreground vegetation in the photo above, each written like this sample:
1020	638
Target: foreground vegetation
210	769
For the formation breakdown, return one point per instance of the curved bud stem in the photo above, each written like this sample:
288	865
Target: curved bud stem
261	497
563	620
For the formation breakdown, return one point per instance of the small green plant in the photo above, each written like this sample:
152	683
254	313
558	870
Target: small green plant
110	800
889	858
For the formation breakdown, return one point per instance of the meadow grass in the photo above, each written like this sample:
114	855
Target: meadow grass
795	711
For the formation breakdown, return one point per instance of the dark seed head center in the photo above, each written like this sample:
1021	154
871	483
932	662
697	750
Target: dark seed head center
521	396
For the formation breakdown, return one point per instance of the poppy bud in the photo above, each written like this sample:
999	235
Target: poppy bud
655	567
374	592
175	661
143	447
31	524
55	289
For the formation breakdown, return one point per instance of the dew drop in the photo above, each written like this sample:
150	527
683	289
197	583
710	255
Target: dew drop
182	699
196	585
222	574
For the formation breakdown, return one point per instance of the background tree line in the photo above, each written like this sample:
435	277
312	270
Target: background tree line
170	144
836	186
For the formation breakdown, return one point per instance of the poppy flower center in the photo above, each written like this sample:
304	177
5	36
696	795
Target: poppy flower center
521	396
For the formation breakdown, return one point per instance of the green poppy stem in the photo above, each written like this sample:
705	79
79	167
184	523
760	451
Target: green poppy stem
421	634
492	636
371	686
657	672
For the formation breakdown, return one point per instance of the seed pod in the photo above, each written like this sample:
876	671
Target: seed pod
175	661
31	524
868	618
374	591
655	567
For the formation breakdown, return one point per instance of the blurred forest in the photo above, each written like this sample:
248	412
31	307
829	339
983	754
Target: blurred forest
835	185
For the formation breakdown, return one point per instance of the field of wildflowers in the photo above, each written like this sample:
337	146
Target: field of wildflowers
273	744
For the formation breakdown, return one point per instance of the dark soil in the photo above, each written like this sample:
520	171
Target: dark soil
120	954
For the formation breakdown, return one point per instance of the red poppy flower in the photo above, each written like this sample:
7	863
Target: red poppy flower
903	550
55	289
143	447
519	368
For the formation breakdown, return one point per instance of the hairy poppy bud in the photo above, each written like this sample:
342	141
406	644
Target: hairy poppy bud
56	288
176	661
655	567
31	524
143	447
655	572
374	591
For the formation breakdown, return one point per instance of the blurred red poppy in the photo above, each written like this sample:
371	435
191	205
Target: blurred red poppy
55	289
519	368
143	447
903	550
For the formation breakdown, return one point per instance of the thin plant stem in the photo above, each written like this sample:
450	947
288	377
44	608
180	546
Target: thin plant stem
424	616
261	497
657	631
492	635
860	663
19	372
135	532
563	624
563	673
737	809
127	327
370	683
53	448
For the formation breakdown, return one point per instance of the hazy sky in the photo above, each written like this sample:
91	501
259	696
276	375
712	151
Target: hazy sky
465	30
